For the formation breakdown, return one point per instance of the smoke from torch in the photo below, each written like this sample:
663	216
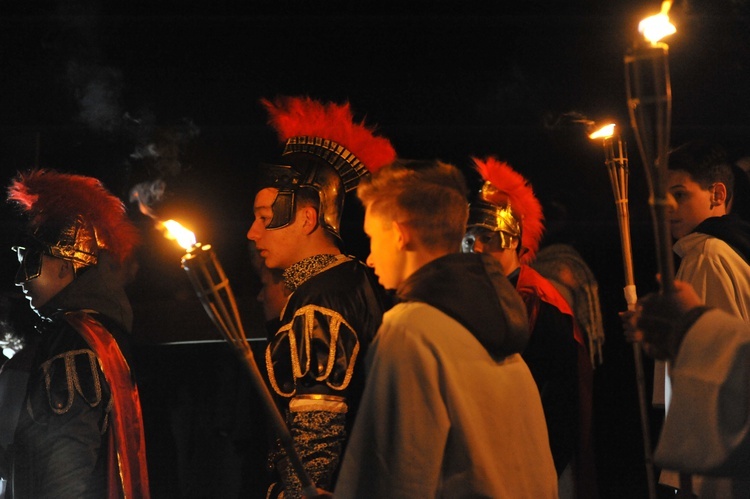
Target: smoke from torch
148	195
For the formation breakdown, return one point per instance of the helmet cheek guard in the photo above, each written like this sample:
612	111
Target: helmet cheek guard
286	180
306	177
283	209
29	263
74	241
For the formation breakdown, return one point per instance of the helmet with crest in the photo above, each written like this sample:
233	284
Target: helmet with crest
506	204
72	217
325	153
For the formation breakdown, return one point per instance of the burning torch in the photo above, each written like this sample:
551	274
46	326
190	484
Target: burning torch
616	160
649	95
212	287
650	107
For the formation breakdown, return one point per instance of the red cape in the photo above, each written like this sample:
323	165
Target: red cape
531	284
127	471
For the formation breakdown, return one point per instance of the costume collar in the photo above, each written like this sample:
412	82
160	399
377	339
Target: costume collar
688	242
303	270
731	229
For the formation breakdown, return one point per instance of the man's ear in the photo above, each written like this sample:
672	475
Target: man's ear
403	235
309	218
718	194
66	269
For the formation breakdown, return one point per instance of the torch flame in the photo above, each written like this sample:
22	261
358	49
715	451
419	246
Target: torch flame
656	27
604	132
176	232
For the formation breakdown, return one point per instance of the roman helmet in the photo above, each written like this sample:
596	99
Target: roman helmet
325	151
506	205
72	217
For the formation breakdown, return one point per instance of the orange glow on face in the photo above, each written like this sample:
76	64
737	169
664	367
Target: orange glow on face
174	231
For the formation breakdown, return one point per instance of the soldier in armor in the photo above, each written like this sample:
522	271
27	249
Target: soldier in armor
70	415
314	360
506	221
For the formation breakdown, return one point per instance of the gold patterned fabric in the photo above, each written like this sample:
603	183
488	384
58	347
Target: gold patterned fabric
67	363
313	361
305	269
321	347
319	438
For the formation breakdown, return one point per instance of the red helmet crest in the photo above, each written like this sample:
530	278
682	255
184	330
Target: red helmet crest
507	189
74	215
325	150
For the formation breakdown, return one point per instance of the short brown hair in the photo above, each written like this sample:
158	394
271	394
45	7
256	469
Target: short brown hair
705	162
430	196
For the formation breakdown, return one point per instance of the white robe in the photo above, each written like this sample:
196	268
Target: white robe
707	429
721	277
717	273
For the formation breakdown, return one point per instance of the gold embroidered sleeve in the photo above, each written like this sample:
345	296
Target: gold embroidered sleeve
316	349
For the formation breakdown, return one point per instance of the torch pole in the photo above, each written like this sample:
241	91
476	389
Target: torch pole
616	160
212	286
650	109
649	95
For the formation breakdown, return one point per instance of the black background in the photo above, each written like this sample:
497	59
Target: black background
88	87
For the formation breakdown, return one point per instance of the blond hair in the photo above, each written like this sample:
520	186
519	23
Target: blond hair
429	196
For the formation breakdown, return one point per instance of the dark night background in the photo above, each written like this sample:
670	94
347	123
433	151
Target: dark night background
133	91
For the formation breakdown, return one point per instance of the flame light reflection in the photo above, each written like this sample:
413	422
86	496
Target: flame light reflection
174	231
604	132
656	27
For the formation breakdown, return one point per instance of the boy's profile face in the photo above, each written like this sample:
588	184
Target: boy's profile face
276	246
386	251
692	205
55	274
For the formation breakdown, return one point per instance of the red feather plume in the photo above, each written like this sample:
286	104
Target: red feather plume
522	200
303	116
47	196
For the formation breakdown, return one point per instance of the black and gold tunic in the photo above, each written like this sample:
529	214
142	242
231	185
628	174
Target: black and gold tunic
315	360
